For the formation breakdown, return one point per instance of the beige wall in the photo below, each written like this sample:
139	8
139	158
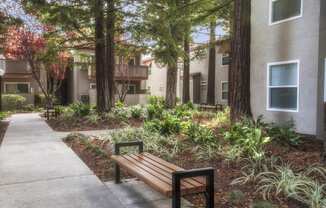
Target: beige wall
292	40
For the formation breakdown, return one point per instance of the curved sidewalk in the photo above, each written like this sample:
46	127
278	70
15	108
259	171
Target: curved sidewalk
37	170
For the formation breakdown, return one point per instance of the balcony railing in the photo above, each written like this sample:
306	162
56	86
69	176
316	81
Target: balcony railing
126	72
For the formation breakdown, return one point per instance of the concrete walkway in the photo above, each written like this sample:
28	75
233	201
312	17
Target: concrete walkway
37	170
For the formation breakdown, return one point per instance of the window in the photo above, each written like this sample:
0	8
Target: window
92	86
131	89
284	10
17	88
226	59
225	90
283	86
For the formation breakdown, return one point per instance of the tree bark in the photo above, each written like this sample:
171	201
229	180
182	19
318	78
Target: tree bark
110	53
239	76
101	86
186	71
171	86
186	61
211	65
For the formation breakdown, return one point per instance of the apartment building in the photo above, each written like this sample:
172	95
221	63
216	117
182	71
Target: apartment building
288	52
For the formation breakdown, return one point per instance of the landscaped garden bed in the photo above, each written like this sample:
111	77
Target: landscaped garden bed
257	164
82	117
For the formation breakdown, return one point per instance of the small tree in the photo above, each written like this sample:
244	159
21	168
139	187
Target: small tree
41	55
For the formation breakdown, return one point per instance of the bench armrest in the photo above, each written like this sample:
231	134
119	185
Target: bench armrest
208	173
117	146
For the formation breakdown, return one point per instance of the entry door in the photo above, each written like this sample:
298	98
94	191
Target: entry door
196	88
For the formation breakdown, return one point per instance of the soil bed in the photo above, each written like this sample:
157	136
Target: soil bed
305	154
3	128
82	124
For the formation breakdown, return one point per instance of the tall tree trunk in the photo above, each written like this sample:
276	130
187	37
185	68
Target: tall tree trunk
239	76
186	62
171	86
101	88
110	53
211	65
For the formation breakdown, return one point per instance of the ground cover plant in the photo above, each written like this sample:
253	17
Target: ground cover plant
257	164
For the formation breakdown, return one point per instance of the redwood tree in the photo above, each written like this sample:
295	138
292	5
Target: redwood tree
211	64
239	76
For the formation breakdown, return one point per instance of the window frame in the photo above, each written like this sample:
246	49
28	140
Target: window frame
225	55
134	89
283	20
16	83
91	85
223	82
268	87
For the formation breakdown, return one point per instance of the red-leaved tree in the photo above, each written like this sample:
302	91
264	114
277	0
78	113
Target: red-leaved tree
42	55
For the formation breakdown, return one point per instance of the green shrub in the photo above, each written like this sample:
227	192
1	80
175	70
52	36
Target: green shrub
13	102
93	118
284	133
155	108
80	109
165	146
39	100
184	110
121	113
201	134
136	111
3	115
248	137
167	125
29	108
119	104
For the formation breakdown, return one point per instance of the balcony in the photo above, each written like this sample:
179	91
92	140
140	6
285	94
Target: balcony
126	72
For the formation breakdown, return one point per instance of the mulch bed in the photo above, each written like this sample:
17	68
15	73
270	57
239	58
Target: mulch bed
305	154
82	124
3	128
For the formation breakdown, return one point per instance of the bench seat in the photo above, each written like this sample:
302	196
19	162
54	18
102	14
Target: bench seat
157	173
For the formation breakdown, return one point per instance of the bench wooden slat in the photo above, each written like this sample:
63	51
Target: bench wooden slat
148	170
173	167
157	173
155	167
149	179
165	170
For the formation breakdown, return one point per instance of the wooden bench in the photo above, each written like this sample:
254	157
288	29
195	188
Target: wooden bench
217	107
50	112
163	176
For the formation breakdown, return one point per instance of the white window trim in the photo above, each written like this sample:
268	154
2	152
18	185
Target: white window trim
284	20
28	83
223	55
223	82
268	108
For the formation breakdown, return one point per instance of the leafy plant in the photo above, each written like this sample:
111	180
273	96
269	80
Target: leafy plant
248	137
201	134
284	133
169	124
80	109
93	118
121	113
294	185
136	111
165	146
155	108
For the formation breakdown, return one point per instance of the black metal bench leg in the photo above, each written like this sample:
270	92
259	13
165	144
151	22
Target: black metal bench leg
176	192
117	173
210	190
